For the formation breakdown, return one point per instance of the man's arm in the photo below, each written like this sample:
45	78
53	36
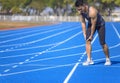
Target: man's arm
93	21
83	23
93	16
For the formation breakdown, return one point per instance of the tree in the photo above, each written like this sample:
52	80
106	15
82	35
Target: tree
13	6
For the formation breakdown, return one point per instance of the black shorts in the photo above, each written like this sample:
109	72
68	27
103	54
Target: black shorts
101	33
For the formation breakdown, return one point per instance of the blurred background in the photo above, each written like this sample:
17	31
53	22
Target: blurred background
54	10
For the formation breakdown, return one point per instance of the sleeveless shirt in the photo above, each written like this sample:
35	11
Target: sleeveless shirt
100	21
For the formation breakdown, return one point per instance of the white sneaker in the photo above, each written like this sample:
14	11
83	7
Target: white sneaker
88	63
108	62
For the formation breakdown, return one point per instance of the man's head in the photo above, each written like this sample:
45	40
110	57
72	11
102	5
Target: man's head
80	6
79	3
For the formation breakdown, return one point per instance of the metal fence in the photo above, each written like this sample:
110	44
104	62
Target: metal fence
49	18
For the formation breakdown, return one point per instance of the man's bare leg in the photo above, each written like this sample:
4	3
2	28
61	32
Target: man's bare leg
88	51
106	51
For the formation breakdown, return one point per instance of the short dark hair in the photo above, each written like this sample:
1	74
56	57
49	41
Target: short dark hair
78	3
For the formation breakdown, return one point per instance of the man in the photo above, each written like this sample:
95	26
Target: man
95	22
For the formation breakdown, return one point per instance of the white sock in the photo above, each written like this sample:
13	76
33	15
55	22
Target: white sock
88	59
107	59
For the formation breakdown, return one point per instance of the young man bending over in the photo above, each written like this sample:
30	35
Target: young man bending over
95	23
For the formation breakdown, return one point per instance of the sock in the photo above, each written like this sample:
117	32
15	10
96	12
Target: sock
88	59
107	59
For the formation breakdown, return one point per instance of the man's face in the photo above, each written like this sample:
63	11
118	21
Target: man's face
81	9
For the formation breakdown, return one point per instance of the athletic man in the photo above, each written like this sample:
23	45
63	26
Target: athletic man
95	22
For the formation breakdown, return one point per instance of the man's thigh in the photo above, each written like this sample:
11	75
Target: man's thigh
101	33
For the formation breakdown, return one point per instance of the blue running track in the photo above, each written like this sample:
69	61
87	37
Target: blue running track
54	53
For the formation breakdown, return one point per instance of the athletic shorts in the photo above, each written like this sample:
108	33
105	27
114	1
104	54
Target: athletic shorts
101	33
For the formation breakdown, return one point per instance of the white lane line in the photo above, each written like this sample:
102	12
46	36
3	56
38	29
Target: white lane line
41	39
46	37
53	67
20	63
37	28
35	34
74	68
36	55
21	44
27	60
63	49
7	70
76	65
68	48
62	56
42	28
116	31
37	69
15	66
31	57
28	31
37	65
55	45
65	31
43	59
14	56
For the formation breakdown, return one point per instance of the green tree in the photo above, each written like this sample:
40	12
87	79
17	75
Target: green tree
13	6
40	4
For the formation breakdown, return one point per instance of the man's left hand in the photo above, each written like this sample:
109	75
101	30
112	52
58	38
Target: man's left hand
90	38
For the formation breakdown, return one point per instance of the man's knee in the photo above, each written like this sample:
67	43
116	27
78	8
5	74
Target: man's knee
104	46
88	42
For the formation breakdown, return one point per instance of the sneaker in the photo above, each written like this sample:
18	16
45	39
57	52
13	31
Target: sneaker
108	62
88	63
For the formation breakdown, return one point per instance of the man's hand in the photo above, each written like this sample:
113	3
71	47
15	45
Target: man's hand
93	15
90	38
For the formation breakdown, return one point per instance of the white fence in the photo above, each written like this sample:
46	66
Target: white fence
49	18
